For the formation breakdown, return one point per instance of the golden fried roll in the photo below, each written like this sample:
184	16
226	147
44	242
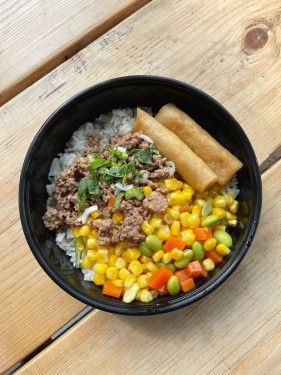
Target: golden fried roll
192	169
220	160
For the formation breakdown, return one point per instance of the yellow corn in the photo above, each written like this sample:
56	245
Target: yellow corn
174	213
131	293
232	223
176	254
144	259
196	210
167	258
177	208
164	232
75	232
193	221
222	249
154	293
99	279
151	267
86	262
84	231
219	227
177	198
175	228
120	246
180	184
134	253
220	212
100	268
102	255
199	202
147	228
92	243
145	296
149	274
117	217
92	255
112	260
208	264
213	193
95	214
188	236
230	216
147	191
203	195
188	192
126	256
137	297
184	219
210	244
161	183
111	273
136	267
233	208
168	218
120	263
229	199
130	281
118	282
157	256
171	184
219	201
123	273
155	222
142	281
93	234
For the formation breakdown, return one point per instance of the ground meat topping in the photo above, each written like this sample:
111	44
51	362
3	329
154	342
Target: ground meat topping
155	202
94	139
104	228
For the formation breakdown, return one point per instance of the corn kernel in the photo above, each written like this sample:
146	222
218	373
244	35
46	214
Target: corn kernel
95	214
188	193
126	256
120	246
193	221
220	212
111	273
213	193
229	199
75	232
131	293
232	223
230	216
177	208
142	281
145	296
99	279
180	184
118	282
152	266
86	262
164	232
203	195
147	191
154	293
171	184
176	254
100	268
219	227
102	255
168	219
144	259
93	234
112	260
184	219
117	217
136	267
175	228
161	183
188	236
120	263
92	243
134	253
147	228
167	257
123	273
157	256
130	281
222	249
210	244
137	297
84	231
208	264
155	222
174	213
233	208
149	274
219	201
177	198
196	210
199	202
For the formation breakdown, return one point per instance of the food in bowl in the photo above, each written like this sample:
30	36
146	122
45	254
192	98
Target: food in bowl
139	212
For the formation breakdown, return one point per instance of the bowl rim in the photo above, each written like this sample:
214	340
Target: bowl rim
176	302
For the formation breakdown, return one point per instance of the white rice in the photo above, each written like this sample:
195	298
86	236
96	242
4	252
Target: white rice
119	121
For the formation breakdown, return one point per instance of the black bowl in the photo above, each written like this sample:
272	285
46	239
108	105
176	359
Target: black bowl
124	92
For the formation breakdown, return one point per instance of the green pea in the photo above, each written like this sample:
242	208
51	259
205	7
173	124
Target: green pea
207	208
224	222
160	264
153	242
198	250
144	249
173	285
187	256
210	220
223	237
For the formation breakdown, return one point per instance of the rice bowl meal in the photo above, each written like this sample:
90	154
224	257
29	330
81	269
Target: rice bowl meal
143	204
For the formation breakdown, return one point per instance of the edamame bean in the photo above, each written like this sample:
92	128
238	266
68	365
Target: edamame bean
160	264
224	222
173	285
210	220
171	266
187	256
207	208
153	242
223	237
198	250
144	249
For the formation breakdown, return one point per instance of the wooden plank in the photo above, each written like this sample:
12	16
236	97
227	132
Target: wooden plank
37	36
234	330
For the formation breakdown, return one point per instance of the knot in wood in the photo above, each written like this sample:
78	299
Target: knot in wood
255	39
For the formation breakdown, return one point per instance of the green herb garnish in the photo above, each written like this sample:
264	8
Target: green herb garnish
80	247
134	193
143	156
118	200
153	149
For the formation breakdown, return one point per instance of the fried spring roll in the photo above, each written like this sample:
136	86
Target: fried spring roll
220	160
192	169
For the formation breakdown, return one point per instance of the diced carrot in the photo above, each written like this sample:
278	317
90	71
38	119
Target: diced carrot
182	275
111	201
163	289
174	242
204	273
160	277
111	290
203	233
187	284
194	269
186	208
214	255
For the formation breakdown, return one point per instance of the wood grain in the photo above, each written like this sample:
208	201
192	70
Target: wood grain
37	36
235	330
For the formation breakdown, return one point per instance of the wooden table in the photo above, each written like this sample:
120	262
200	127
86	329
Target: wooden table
50	50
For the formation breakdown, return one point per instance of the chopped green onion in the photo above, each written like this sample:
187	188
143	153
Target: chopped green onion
134	193
118	200
78	252
97	163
